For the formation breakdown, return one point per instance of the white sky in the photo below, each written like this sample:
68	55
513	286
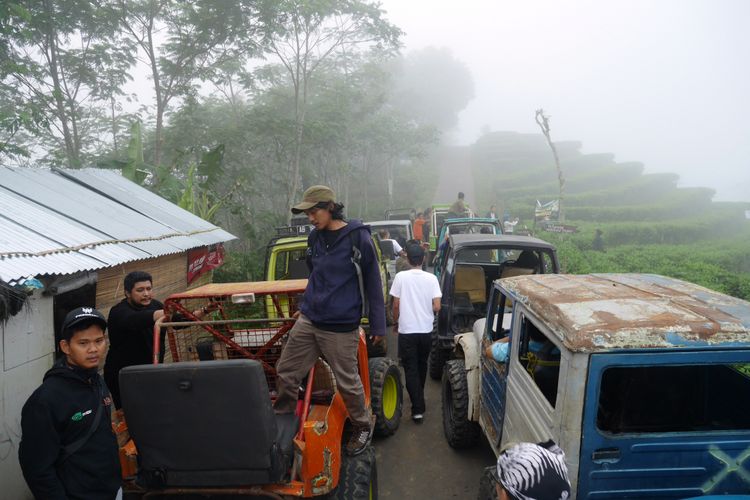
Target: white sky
664	82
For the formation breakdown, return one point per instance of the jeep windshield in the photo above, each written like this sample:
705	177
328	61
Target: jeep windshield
525	261
399	232
472	228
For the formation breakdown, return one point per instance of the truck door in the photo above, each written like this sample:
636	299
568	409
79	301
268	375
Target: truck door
494	375
666	425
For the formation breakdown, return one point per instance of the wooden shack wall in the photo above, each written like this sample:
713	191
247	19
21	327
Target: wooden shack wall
169	273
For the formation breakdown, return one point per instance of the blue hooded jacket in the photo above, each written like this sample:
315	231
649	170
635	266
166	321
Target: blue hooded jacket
332	295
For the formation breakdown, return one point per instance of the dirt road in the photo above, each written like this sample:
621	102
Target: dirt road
417	463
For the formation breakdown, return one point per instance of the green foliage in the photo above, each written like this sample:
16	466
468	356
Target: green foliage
58	61
723	266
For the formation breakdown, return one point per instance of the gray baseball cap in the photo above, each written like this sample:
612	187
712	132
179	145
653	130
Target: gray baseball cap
312	196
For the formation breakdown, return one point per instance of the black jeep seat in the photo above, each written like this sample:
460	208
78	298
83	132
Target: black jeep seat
206	424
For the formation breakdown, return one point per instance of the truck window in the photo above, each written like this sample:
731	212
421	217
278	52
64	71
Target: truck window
540	357
501	309
279	270
548	265
677	398
291	265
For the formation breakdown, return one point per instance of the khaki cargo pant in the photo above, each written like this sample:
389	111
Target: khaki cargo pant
304	345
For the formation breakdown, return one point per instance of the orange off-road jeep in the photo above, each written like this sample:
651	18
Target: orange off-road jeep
202	422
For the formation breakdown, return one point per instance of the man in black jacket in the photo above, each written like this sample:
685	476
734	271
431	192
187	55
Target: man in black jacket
131	329
68	450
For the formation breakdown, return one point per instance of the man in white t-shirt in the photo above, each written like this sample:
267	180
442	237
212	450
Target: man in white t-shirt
416	298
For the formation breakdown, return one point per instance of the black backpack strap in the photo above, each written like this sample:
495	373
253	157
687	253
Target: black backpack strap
72	448
312	240
357	261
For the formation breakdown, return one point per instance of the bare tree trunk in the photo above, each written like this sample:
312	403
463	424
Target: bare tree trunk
365	197
114	123
160	104
300	104
51	42
389	181
543	122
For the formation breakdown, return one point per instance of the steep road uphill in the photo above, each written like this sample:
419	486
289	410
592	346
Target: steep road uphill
455	175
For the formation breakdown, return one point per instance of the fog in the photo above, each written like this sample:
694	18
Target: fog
665	83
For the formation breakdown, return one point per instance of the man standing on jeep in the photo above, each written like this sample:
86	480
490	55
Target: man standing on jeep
344	286
458	209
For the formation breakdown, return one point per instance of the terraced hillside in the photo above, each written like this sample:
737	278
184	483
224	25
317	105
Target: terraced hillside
649	224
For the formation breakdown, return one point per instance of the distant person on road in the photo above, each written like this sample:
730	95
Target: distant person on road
492	214
427	227
458	209
68	449
419	227
532	471
416	298
397	249
131	329
331	310
598	243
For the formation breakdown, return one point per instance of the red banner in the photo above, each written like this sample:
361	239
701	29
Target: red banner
202	260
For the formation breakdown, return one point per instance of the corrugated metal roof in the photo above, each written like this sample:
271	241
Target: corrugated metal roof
54	222
603	312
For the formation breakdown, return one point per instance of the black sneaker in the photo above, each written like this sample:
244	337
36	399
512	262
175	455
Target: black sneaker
358	441
418	418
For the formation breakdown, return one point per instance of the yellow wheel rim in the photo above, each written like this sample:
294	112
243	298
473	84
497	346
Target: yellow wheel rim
390	397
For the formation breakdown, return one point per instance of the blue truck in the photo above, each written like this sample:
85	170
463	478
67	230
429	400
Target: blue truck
643	381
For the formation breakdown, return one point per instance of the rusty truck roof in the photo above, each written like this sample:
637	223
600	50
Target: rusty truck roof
603	312
227	289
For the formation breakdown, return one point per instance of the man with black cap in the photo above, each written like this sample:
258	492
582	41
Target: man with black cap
68	449
416	298
344	286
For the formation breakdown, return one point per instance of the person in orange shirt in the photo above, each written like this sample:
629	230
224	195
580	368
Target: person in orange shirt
418	226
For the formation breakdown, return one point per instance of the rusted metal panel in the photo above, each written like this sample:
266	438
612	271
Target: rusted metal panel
569	412
632	311
259	287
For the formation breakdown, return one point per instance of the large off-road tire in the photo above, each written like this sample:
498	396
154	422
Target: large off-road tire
437	360
487	490
358	477
459	430
386	395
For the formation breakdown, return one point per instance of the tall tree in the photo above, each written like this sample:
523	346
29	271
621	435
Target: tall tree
64	56
181	43
302	34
